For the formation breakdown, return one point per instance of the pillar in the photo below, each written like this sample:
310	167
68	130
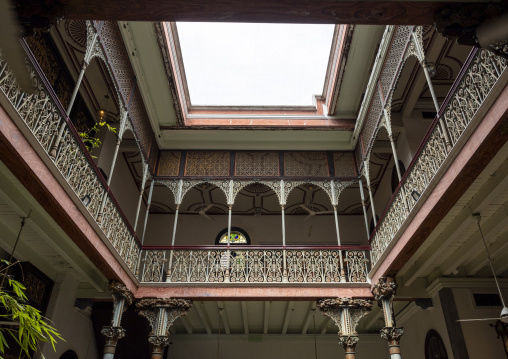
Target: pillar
384	291
161	313
346	313
114	332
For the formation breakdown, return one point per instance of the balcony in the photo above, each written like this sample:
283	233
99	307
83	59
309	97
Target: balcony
266	264
42	118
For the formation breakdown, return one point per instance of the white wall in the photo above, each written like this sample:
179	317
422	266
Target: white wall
481	338
74	326
417	325
264	229
273	347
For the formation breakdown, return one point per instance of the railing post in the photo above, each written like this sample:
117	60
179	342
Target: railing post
335	202
146	174
364	209
92	37
147	211
423	63
346	313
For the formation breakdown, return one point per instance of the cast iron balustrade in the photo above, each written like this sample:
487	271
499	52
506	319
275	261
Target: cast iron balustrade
43	115
253	264
477	78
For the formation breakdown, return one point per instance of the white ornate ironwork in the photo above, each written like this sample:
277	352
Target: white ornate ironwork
252	266
43	117
480	77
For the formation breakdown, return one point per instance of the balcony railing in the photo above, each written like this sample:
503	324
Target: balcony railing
44	116
477	78
247	264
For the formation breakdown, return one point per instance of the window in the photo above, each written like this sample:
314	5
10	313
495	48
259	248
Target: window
243	64
238	237
434	346
69	354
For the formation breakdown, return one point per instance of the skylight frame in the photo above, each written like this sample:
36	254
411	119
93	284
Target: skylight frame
321	114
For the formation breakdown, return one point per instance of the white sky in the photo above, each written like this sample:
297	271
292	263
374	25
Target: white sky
234	64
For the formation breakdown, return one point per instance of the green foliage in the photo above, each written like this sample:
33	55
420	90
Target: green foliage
89	139
30	327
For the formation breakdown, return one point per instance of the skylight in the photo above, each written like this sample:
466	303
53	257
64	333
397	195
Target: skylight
241	64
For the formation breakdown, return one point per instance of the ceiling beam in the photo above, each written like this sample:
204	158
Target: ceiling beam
461	221
245	316
324	326
311	310
186	323
498	246
300	11
267	317
224	316
287	317
474	244
200	307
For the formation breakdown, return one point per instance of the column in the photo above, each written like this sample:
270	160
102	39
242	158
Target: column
161	313
373	209
335	202
423	62
346	313
92	37
114	332
284	254
384	291
364	208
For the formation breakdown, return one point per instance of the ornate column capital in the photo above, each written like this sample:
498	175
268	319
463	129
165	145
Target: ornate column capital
384	289
348	342
161	313
118	290
158	343
392	334
345	312
112	335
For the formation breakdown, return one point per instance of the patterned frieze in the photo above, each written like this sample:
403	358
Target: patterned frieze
256	165
207	163
169	163
306	164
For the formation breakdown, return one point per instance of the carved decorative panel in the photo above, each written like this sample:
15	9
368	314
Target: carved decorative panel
370	125
111	40
207	163
306	164
257	163
395	57
344	164
139	118
169	163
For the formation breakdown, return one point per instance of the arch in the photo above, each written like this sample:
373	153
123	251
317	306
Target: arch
310	189
233	229
189	184
239	185
395	175
257	197
434	346
69	354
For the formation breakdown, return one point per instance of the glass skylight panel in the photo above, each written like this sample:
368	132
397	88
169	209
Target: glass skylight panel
241	64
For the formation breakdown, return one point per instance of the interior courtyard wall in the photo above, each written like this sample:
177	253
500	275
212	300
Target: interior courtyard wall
417	325
263	229
384	190
403	151
125	189
415	128
273	346
74	325
481	338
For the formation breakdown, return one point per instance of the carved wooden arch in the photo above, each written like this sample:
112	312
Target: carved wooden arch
189	184
239	185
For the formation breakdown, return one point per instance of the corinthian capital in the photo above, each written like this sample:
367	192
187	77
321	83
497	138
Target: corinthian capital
384	289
